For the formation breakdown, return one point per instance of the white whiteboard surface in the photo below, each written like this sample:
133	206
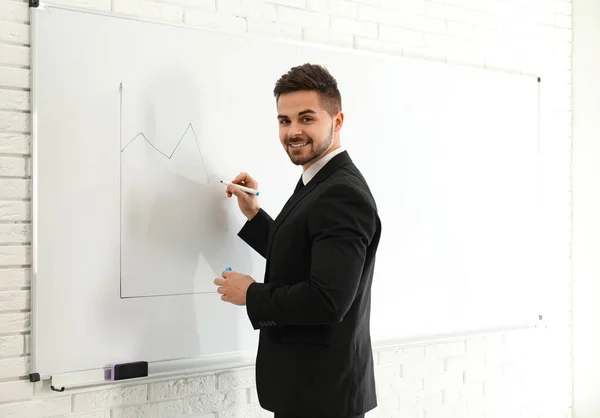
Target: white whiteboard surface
451	154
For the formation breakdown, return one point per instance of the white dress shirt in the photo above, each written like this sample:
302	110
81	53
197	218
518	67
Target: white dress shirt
314	169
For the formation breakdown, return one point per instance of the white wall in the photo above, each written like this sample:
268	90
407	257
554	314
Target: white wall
508	375
586	208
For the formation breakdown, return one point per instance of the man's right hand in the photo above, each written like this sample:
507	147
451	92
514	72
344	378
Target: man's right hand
247	202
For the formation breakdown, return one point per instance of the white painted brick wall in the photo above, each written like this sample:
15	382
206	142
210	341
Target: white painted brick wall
14	32
14	11
328	38
355	27
11	143
247	9
107	398
18	390
334	7
510	374
150	10
14	77
184	387
212	20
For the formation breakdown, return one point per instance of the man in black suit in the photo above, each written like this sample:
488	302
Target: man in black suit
313	309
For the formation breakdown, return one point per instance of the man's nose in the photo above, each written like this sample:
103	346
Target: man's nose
294	130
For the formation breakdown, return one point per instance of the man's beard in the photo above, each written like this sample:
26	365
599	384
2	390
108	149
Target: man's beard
314	154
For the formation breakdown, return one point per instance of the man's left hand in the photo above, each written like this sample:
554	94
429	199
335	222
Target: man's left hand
233	287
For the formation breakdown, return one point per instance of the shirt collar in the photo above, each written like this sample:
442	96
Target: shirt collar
314	169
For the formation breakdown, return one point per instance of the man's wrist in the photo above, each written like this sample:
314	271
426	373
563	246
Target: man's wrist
253	214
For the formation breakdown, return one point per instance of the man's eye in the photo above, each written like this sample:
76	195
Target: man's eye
307	119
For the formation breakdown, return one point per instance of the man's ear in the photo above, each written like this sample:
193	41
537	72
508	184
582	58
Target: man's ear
338	121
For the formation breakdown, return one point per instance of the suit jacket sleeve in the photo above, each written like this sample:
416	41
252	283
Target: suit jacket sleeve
255	232
342	224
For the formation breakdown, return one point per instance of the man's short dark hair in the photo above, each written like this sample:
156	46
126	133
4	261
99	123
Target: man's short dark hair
311	77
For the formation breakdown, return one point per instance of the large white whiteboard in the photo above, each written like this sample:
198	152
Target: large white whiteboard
131	224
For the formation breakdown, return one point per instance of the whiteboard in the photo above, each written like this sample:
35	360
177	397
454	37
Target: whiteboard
135	123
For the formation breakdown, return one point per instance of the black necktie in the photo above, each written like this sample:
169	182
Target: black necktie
299	186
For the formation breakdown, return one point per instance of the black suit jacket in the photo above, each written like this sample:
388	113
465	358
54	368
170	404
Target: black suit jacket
313	309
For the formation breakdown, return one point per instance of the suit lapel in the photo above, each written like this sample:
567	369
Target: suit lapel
301	192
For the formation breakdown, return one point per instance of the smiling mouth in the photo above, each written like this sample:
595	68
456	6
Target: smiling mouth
298	144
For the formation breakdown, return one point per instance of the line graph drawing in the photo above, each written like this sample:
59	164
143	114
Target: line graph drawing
173	220
190	127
